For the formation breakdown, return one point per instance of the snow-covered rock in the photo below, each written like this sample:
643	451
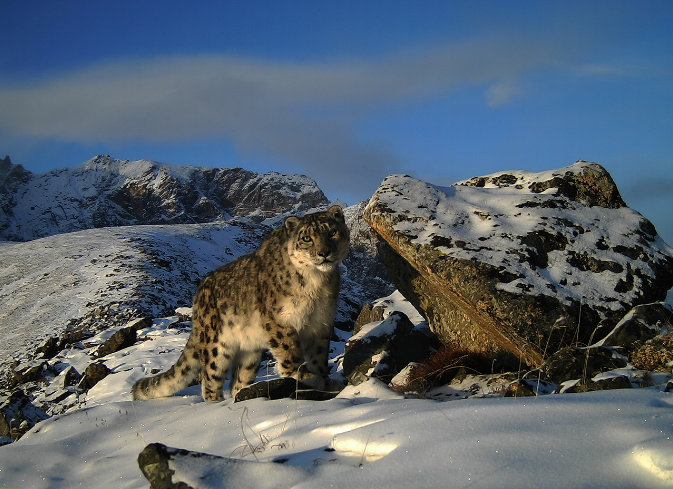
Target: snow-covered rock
520	264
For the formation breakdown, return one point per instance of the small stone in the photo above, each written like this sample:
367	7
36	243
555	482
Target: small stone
93	374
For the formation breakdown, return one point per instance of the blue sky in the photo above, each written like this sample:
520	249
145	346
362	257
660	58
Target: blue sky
347	92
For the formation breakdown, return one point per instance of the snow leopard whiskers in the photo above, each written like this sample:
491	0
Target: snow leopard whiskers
281	297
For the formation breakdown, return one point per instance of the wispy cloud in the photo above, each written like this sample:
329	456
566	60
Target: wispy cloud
303	112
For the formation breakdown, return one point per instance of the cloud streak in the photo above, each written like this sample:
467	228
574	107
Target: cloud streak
302	112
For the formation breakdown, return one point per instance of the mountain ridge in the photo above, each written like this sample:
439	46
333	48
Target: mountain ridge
106	192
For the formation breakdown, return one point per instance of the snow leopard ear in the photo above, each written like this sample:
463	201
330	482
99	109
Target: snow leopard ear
292	222
336	212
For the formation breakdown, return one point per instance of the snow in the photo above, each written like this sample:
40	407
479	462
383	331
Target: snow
459	436
369	436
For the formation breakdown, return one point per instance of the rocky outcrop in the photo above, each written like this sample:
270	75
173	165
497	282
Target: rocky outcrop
518	264
106	192
383	348
18	415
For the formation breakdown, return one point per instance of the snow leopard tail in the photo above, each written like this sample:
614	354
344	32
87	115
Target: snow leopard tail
178	377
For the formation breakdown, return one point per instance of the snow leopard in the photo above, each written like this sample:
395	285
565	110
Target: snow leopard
281	297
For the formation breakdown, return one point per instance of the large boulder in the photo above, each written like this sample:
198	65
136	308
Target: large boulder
520	264
383	348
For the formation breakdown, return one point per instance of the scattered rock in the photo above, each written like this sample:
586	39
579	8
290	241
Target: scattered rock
122	338
656	355
71	337
520	388
519	262
368	314
184	314
49	348
70	376
28	371
587	385
18	415
93	374
58	395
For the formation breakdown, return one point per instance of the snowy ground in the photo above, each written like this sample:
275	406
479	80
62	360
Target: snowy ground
369	436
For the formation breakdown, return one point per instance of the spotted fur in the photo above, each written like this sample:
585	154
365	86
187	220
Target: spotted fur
282	297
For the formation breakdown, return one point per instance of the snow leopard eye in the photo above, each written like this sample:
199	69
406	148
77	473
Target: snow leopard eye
306	239
332	233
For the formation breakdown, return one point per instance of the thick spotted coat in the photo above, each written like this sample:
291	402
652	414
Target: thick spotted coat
282	297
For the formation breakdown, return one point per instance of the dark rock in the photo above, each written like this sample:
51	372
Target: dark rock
49	348
28	371
520	388
155	463
641	324
71	376
71	337
580	363
368	314
384	349
93	374
509	268
585	385
18	415
122	338
282	388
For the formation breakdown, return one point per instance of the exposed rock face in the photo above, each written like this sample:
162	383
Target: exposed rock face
519	264
107	192
362	263
18	415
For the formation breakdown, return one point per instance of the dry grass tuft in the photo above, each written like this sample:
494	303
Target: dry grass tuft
656	355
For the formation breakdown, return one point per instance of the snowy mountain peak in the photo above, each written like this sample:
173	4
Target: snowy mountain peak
105	191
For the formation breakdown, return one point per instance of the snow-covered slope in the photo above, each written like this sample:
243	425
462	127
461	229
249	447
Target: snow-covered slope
99	278
108	192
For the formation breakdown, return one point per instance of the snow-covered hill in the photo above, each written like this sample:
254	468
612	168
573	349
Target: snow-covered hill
99	278
108	192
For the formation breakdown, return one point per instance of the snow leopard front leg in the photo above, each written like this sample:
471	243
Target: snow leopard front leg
285	346
316	346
